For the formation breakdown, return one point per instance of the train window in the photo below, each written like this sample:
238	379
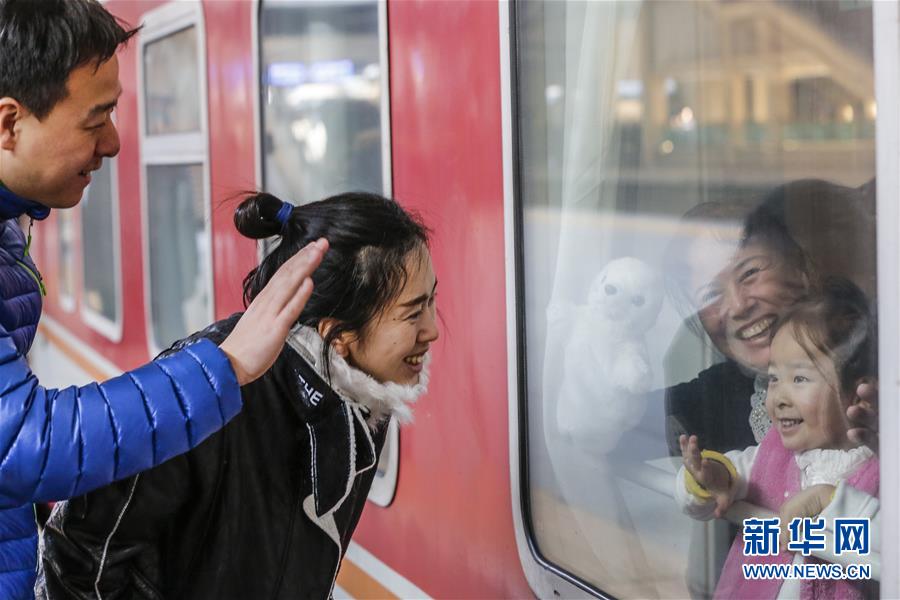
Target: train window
175	157
171	82
101	299
321	80
689	176
326	127
66	224
179	238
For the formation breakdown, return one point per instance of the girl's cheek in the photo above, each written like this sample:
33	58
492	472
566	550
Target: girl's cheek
770	401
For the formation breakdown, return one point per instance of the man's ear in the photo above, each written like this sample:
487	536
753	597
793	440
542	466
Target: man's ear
10	113
341	343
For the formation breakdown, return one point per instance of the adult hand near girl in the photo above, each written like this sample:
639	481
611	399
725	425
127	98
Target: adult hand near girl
258	337
805	503
863	416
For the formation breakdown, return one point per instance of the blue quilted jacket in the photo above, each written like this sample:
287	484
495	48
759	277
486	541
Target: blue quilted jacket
55	444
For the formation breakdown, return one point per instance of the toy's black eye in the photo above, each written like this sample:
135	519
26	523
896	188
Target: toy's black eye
638	300
610	289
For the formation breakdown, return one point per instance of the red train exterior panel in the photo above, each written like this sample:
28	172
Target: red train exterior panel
450	529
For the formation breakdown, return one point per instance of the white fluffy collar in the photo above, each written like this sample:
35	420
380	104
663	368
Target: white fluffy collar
356	387
830	465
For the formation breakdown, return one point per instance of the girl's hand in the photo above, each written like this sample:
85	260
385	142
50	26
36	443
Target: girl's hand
807	503
713	476
863	416
258	338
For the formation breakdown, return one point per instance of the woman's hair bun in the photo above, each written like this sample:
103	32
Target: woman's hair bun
257	216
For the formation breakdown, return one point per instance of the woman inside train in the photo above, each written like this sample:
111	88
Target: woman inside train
736	271
266	507
821	351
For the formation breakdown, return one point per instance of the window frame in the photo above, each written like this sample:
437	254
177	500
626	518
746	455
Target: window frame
173	149
886	34
68	302
384	488
548	579
111	330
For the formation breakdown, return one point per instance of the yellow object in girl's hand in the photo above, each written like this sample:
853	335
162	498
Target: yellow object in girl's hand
695	488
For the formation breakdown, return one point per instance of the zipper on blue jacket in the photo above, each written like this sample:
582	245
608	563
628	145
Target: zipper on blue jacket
34	274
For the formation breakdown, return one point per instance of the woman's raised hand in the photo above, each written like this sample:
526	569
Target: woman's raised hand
863	416
259	335
806	503
710	474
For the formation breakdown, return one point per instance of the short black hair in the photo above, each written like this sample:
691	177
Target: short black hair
761	221
43	41
370	238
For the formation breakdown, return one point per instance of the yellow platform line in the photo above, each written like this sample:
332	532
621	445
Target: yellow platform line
72	354
360	585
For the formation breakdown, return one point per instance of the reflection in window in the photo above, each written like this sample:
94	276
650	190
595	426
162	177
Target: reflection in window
178	251
99	246
66	223
172	80
321	84
654	141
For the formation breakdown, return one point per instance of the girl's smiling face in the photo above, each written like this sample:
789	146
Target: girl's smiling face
392	347
804	401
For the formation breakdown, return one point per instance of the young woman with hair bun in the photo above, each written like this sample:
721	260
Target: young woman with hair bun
265	508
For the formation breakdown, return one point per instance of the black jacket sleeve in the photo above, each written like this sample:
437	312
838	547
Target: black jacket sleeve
103	541
715	406
107	543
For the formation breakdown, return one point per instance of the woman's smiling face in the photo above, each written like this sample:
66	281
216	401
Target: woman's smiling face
392	347
739	304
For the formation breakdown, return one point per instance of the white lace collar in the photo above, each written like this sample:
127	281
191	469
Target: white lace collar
830	465
356	387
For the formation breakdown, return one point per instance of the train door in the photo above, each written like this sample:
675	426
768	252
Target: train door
325	119
681	179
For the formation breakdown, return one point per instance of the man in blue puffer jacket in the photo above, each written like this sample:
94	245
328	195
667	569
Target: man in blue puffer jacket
58	87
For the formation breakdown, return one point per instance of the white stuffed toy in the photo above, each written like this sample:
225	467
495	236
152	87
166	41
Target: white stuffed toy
606	370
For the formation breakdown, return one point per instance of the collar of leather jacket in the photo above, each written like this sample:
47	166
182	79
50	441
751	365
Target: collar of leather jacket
376	399
341	440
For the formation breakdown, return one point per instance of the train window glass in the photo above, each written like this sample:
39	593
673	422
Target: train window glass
179	240
321	79
67	240
688	173
171	83
100	252
175	160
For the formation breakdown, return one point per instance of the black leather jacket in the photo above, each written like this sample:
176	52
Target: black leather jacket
245	515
